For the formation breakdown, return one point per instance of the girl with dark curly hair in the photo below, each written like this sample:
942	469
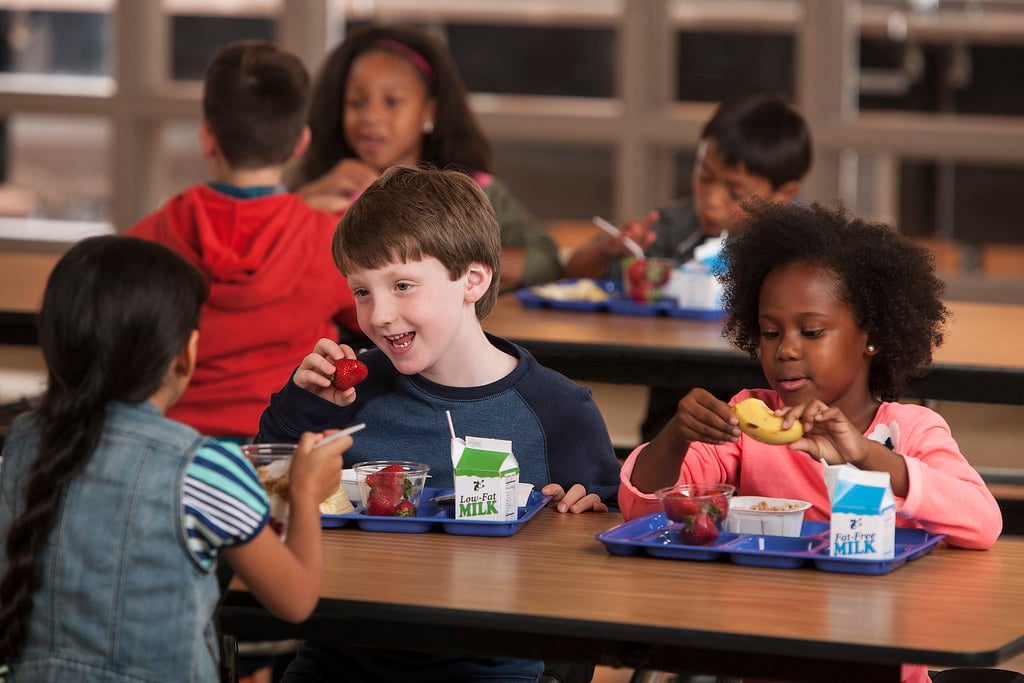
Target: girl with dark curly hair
841	313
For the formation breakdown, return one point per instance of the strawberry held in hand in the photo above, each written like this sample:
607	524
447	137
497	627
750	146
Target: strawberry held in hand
348	372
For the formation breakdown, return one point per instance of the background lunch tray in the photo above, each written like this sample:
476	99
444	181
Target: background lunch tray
616	304
656	536
430	515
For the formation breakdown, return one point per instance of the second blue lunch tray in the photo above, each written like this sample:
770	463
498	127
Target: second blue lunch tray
616	303
430	515
656	536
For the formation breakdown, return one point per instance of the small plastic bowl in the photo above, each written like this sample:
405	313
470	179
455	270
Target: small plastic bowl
406	485
272	462
783	516
351	486
699	509
644	279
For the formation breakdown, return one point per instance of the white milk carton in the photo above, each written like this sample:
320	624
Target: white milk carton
693	285
486	479
863	513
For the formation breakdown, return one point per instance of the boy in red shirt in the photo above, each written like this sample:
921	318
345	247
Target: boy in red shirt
274	289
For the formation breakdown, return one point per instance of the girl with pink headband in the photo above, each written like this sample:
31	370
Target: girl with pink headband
392	94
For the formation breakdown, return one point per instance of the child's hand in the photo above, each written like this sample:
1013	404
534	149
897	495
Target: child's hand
350	177
315	473
614	247
828	434
702	417
576	500
335	190
314	373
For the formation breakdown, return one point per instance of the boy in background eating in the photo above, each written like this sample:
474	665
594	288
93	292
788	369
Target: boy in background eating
753	146
274	289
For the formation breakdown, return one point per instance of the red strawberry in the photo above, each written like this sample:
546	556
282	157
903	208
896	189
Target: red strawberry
405	509
383	502
658	272
717	507
702	532
390	477
678	507
637	271
348	373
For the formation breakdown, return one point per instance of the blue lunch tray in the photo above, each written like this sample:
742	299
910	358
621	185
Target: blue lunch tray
616	303
656	536
430	514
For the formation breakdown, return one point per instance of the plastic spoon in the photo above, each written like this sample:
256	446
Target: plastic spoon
633	247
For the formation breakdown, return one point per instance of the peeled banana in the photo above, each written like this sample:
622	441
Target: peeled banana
759	422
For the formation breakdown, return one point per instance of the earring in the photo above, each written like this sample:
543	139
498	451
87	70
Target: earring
428	127
871	348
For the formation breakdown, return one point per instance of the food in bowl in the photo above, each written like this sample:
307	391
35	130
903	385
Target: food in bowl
272	462
644	279
699	509
767	516
583	289
391	488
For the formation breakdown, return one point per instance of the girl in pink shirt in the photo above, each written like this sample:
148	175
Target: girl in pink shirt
840	312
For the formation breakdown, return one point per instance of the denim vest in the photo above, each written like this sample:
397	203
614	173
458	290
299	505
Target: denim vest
121	597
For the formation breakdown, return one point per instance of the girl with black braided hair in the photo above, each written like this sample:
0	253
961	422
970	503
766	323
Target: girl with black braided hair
114	516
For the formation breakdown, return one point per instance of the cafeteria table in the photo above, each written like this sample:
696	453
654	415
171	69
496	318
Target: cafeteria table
551	590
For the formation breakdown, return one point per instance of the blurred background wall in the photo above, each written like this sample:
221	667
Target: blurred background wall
594	106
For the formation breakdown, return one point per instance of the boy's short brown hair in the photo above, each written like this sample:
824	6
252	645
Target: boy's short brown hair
411	213
254	101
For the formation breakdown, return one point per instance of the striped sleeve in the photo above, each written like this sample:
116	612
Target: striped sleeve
225	504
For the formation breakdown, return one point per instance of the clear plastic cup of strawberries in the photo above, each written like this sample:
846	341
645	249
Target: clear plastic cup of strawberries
391	488
699	510
643	280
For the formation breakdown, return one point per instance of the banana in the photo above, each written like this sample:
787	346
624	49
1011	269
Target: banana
759	422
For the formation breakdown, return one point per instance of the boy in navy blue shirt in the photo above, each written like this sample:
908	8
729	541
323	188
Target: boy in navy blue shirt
421	250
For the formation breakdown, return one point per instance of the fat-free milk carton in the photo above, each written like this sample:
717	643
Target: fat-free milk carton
863	513
486	479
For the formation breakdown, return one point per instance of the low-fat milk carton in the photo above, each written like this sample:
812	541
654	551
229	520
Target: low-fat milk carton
863	513
486	479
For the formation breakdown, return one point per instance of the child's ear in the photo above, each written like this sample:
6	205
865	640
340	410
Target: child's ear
185	362
478	281
303	143
208	141
430	116
786	192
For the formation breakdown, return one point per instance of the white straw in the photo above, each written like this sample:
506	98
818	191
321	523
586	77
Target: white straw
637	250
451	427
337	435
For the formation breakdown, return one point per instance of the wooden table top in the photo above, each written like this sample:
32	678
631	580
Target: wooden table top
979	361
552	578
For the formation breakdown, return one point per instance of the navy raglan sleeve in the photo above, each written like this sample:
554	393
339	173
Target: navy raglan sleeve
580	450
294	410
